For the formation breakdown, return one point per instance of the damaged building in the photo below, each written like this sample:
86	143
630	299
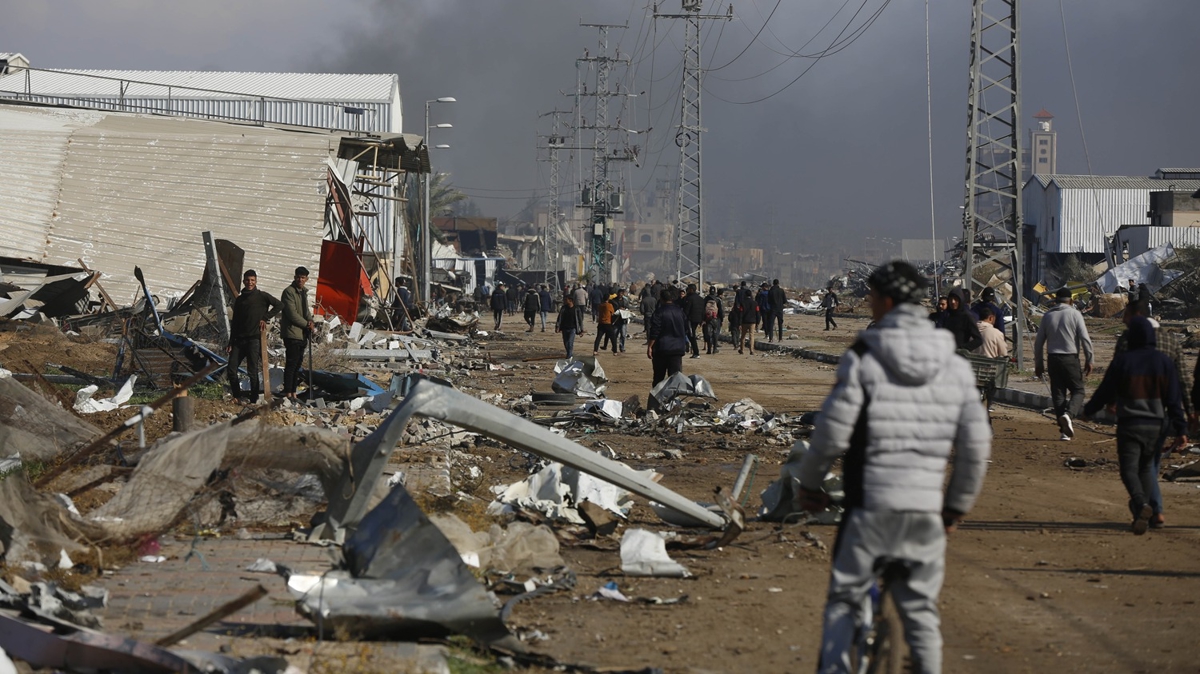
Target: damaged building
146	161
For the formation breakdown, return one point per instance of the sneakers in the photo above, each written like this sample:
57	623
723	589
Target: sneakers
1064	437
1142	522
1064	425
1158	521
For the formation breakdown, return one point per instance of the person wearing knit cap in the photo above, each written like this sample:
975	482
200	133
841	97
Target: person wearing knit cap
1063	334
904	406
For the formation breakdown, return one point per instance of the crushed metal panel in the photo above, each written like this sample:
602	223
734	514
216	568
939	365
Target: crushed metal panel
407	580
84	650
140	190
348	503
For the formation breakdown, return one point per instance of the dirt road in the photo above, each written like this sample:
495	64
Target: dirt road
1043	576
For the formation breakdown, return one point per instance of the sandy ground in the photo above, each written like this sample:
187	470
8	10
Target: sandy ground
1044	574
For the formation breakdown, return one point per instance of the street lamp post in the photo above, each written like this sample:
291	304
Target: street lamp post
427	232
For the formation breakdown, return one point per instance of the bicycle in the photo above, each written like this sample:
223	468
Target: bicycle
881	648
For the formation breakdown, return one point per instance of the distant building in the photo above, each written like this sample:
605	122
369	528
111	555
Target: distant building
1069	214
1042	154
920	251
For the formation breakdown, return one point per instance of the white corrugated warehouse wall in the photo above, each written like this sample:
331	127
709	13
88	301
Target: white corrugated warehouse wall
139	190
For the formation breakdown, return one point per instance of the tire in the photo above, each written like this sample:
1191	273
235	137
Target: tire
889	650
553	398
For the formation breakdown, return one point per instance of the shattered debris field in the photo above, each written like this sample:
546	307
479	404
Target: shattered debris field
1043	575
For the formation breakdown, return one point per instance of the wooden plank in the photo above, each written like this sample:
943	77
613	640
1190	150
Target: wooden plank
266	364
96	282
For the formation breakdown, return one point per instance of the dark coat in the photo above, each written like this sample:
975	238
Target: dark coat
250	307
777	299
568	319
693	308
668	330
962	324
499	301
745	307
532	303
547	300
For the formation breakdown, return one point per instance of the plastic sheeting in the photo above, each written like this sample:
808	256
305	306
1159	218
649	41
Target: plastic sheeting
680	384
583	377
1145	268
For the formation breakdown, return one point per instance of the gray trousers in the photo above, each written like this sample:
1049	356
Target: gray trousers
916	539
1066	383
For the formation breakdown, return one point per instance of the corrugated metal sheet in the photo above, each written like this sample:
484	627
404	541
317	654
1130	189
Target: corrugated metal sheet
32	150
313	99
137	190
1070	182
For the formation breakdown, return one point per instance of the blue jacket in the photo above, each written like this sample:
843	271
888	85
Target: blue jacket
547	301
668	330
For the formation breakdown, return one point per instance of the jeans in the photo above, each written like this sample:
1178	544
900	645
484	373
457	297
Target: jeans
1138	449
622	334
665	365
544	320
569	342
1066	377
916	539
249	349
294	349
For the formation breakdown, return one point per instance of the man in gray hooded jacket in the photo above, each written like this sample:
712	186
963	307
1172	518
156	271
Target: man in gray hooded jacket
903	403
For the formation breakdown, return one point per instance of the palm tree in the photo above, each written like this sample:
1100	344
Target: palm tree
442	196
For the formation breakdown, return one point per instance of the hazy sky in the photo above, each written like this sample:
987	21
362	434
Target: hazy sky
840	153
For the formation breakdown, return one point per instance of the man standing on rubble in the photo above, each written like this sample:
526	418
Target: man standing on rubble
251	311
904	403
1063	334
295	328
499	304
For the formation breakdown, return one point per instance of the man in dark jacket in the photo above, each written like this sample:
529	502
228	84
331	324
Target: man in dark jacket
510	298
1144	385
988	299
568	323
960	323
251	311
295	328
747	310
778	300
668	333
647	306
762	299
547	303
530	307
829	303
693	309
499	304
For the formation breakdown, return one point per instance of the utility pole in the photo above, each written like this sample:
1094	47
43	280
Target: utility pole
992	217
689	236
552	233
600	196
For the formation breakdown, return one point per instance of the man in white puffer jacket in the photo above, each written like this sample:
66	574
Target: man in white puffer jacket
903	402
